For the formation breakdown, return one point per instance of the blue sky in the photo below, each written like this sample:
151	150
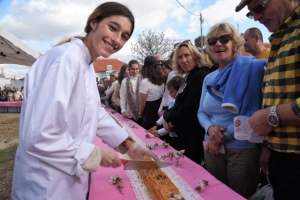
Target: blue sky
42	23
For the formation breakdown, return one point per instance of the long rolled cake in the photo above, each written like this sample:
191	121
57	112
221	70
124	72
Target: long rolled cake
158	183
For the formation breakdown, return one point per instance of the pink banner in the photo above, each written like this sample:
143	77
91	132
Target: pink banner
11	104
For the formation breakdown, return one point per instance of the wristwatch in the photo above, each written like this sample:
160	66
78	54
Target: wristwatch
273	119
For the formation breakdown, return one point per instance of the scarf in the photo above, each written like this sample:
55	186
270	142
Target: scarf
133	110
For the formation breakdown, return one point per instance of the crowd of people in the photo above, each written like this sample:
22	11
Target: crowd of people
8	94
189	99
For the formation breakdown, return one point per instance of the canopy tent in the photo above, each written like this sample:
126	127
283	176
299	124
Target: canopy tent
13	51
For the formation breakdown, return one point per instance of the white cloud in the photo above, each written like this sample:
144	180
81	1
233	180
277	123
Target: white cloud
14	70
42	23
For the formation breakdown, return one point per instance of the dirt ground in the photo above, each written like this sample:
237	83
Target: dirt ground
9	127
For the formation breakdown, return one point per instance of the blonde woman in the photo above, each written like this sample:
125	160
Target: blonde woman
182	117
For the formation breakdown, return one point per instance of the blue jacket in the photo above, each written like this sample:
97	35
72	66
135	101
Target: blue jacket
239	84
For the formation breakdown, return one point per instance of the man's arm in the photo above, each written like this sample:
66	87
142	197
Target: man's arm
287	117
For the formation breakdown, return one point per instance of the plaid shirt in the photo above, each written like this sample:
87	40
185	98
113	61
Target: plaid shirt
282	81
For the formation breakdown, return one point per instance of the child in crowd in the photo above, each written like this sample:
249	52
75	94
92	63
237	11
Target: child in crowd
173	86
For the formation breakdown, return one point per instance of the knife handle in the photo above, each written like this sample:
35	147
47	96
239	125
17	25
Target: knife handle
124	161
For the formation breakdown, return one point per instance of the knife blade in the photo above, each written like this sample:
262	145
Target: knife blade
143	164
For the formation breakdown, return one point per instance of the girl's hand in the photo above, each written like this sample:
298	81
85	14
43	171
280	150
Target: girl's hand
152	129
124	115
160	113
154	132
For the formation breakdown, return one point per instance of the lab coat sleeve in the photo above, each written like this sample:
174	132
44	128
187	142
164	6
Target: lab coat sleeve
109	131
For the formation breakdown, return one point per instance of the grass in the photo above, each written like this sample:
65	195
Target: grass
7	158
8	153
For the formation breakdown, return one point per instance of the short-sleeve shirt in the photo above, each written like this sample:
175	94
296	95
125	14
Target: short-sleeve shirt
153	92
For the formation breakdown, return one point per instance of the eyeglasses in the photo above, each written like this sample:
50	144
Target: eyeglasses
257	9
184	42
224	39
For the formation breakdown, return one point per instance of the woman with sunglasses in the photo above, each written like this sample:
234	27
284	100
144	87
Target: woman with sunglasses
182	117
56	149
234	89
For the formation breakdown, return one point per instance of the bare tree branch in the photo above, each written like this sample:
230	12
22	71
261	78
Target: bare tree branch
150	43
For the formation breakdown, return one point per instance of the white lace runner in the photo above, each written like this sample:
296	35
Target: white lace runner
141	192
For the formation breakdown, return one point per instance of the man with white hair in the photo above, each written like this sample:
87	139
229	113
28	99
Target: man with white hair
279	118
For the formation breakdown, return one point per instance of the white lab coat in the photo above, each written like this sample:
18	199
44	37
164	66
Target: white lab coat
60	117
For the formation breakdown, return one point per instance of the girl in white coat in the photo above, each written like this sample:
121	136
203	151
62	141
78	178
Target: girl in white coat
58	124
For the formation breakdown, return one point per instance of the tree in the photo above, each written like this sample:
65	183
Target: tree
150	43
198	42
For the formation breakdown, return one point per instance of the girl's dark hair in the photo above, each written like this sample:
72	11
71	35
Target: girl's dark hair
175	82
132	62
154	74
168	64
106	10
122	72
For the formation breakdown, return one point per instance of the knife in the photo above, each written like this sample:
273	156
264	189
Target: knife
143	164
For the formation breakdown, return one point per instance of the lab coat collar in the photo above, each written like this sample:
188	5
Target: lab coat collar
86	53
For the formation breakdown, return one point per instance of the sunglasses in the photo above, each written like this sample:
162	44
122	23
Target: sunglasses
257	9
224	39
184	42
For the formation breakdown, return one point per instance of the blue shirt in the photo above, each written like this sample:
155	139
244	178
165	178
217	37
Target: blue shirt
211	113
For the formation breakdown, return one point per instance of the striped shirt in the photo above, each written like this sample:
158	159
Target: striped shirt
282	81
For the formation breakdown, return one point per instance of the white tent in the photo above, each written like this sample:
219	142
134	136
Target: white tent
14	51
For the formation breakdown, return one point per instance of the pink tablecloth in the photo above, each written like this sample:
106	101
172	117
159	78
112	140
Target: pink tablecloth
191	172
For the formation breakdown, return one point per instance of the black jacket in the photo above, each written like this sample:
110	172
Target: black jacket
183	115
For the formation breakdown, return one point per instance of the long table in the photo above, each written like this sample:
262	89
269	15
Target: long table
10	106
189	171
